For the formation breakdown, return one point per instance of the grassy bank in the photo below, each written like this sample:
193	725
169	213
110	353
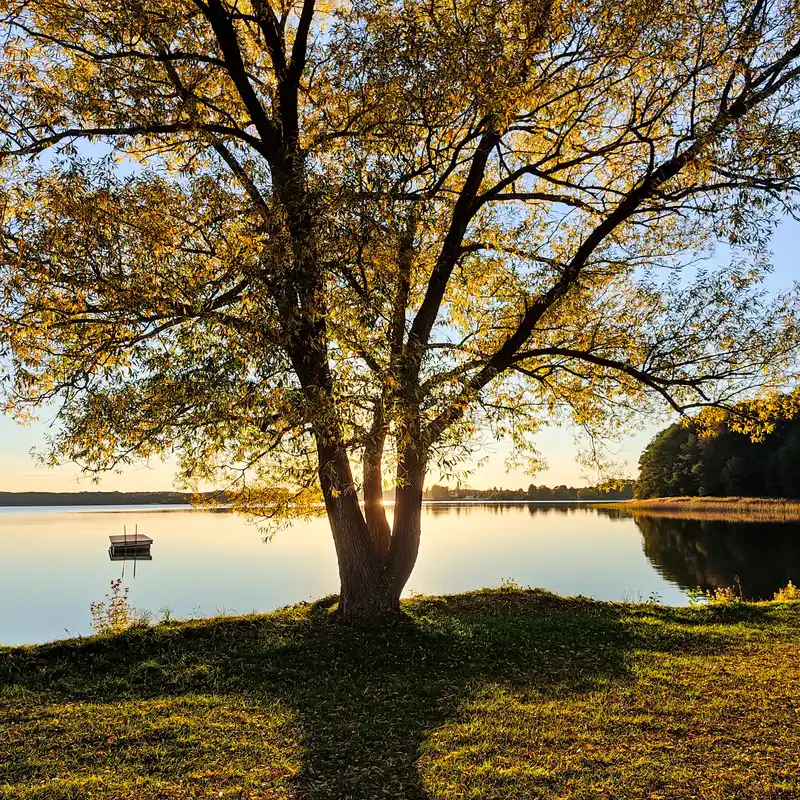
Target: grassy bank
503	694
735	509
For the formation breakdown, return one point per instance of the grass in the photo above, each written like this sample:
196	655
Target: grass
494	694
731	509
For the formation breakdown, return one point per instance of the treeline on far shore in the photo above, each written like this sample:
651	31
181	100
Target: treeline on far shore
613	490
621	491
687	460
105	498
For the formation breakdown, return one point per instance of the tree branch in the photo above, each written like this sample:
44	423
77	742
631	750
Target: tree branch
231	51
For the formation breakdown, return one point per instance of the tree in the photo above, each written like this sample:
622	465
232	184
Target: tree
307	234
439	492
788	462
749	450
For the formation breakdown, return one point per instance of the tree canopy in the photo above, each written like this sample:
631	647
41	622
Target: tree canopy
277	237
712	457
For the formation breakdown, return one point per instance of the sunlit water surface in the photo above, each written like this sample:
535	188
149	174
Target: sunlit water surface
54	561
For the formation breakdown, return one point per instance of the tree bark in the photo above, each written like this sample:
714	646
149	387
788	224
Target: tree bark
364	592
374	563
404	546
374	510
372	579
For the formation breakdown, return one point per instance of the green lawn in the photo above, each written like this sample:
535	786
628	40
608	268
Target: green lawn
501	694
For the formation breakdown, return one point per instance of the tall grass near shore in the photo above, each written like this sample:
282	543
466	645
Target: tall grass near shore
730	509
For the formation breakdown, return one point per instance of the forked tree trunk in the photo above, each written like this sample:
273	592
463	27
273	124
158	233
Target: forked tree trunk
361	573
372	577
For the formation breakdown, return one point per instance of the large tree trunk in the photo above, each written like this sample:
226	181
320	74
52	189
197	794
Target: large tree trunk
372	578
360	563
374	563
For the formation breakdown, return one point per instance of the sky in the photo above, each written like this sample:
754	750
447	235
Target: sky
19	470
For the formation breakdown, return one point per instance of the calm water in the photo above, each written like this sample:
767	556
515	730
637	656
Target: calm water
54	562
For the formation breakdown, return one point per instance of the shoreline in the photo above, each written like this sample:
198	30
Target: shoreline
158	506
732	509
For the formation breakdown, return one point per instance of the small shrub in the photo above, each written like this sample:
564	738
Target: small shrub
697	597
723	595
720	595
114	614
790	593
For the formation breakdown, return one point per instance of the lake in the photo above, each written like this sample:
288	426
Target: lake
54	561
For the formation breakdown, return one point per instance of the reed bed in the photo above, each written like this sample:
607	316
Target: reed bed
728	509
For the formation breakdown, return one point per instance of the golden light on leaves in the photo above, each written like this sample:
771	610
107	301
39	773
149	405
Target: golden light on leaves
282	238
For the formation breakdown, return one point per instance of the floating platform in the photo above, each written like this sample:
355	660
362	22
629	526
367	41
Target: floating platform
135	545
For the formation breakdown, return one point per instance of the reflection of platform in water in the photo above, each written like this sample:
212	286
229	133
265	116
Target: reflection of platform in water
140	556
124	546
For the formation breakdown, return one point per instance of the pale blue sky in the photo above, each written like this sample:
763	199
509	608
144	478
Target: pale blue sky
20	472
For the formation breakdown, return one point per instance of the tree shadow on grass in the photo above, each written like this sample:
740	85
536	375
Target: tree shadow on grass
363	700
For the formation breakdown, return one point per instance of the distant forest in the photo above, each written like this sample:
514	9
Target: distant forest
617	490
100	498
607	492
681	462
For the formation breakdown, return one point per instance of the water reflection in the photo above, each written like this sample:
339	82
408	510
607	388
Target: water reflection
55	562
539	508
762	556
